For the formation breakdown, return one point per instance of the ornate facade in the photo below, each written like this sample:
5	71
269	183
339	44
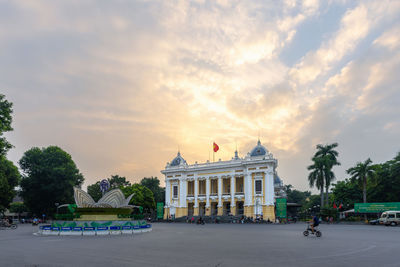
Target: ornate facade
241	186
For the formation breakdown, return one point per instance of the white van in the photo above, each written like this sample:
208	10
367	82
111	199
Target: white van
391	217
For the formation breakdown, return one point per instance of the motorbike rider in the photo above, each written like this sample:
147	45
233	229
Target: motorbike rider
314	222
6	222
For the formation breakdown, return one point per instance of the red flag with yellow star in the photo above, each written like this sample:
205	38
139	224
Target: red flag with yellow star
215	147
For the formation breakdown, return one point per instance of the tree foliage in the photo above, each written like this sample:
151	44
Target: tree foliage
382	183
311	202
296	196
322	175
142	196
18	207
49	175
115	181
360	173
347	193
94	191
384	186
5	124
9	179
153	184
329	157
9	175
316	176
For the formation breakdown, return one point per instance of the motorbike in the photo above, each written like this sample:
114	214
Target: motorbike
309	231
200	221
11	226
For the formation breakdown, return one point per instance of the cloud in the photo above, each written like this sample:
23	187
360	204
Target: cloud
355	26
122	85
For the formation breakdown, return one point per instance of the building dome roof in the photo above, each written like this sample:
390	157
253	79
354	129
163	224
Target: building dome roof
277	180
178	160
258	150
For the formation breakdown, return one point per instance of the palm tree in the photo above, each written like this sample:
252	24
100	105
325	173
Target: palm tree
316	176
360	173
329	158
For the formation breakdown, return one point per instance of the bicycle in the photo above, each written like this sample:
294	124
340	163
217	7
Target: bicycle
316	231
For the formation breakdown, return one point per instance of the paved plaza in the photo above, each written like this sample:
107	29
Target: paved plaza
208	245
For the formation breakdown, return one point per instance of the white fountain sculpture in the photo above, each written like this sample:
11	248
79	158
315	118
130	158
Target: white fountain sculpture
112	199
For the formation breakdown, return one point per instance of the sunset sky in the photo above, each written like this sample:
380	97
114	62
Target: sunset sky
121	85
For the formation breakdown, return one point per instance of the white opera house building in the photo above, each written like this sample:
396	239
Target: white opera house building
240	186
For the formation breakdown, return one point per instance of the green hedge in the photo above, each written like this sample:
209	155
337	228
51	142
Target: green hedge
134	216
67	216
103	211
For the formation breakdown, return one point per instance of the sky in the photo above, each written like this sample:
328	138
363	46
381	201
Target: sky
122	85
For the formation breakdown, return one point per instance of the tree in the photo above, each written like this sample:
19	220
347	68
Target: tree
5	124
384	186
18	207
94	191
142	196
347	192
153	184
9	179
117	181
316	176
296	196
311	202
360	173
329	159
9	175
49	175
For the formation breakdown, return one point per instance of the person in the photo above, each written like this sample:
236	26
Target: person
314	222
6	222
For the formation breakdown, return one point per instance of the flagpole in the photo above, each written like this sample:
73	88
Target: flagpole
213	152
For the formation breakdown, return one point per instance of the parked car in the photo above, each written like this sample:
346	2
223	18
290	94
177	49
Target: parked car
374	222
391	217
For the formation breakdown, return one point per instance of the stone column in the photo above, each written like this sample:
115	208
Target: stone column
167	193
196	193
247	194
269	188
220	208
233	203
182	197
167	198
268	207
208	208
